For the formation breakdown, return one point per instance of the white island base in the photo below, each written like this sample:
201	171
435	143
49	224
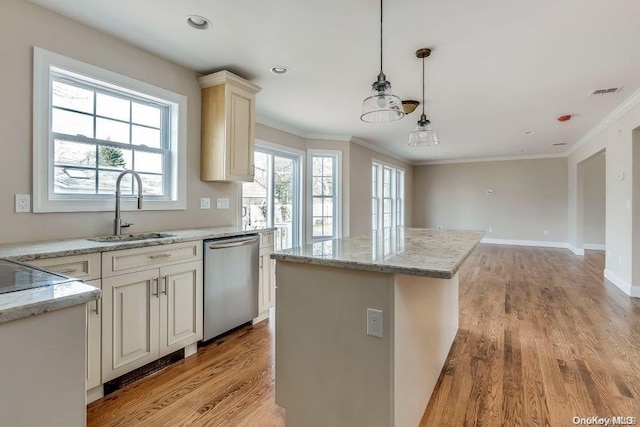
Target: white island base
329	372
42	369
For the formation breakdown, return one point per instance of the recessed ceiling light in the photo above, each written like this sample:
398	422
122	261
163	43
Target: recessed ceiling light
278	69
198	22
529	132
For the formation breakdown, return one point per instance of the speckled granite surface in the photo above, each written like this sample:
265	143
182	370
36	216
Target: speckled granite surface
411	251
25	252
31	302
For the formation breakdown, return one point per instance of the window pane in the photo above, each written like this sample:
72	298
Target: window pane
152	184
327	186
386	182
317	187
72	97
70	180
110	130
148	162
110	106
327	207
74	153
317	206
145	136
107	183
327	227
317	166
327	166
117	158
146	115
71	123
317	226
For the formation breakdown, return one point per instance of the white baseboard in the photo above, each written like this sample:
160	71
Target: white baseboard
95	394
594	247
576	251
627	288
538	243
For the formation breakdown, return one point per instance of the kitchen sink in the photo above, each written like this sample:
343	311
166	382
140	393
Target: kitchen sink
130	237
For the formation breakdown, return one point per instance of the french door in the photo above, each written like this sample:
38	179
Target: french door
273	199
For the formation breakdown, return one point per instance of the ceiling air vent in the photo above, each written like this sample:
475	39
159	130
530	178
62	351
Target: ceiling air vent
609	91
558	144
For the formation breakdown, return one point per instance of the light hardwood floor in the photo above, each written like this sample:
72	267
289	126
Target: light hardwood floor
543	338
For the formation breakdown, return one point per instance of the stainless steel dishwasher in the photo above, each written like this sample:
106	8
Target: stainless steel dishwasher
230	283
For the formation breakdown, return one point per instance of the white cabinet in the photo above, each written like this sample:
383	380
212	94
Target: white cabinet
150	313
87	268
266	277
228	127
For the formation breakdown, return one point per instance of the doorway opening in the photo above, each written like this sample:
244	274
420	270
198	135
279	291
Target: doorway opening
592	172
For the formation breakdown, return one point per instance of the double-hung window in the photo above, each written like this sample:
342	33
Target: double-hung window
324	185
90	125
387	196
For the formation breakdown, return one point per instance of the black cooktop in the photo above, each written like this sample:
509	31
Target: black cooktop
17	277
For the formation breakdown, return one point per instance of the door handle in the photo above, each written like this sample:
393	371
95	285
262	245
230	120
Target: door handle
232	243
154	283
163	285
97	309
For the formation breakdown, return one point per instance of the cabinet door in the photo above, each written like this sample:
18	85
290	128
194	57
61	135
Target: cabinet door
267	287
130	322
180	306
241	138
94	344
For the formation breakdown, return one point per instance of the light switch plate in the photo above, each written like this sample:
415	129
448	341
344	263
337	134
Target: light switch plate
205	203
222	203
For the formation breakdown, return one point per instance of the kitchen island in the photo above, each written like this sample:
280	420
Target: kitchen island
338	363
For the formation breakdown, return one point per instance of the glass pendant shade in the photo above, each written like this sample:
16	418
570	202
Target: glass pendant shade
382	105
424	135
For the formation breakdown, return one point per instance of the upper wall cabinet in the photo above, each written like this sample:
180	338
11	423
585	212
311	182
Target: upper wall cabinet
228	126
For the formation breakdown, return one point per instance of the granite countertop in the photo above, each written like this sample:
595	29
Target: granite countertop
39	300
410	251
25	252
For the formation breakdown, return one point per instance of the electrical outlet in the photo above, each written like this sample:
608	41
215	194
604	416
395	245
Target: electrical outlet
222	203
374	322
23	203
205	203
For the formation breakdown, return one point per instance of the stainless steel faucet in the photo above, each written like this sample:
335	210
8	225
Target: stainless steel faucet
119	224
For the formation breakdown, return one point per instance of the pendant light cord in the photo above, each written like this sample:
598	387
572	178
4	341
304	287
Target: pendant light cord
423	85
380	36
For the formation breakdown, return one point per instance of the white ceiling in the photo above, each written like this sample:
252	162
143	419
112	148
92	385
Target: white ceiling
498	67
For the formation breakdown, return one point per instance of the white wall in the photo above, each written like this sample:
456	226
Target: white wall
616	139
595	203
24	25
529	197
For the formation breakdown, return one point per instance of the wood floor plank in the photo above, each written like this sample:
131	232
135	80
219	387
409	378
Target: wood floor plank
543	338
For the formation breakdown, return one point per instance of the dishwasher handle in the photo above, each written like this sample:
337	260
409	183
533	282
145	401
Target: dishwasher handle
232	243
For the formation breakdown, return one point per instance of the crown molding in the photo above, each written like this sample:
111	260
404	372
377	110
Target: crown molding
224	76
366	144
329	137
492	159
620	111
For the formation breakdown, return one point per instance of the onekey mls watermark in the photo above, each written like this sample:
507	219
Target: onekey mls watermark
605	421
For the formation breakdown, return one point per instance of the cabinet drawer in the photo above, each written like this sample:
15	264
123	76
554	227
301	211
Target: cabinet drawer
84	267
266	239
130	260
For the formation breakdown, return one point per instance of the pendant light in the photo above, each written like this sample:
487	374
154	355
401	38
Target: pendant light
382	105
424	135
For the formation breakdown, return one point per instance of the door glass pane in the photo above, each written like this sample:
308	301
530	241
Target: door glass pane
254	194
283	198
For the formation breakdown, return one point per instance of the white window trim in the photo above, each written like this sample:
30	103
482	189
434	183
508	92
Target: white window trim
381	199
337	206
42	61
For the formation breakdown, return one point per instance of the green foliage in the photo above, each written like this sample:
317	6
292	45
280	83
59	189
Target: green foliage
113	157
